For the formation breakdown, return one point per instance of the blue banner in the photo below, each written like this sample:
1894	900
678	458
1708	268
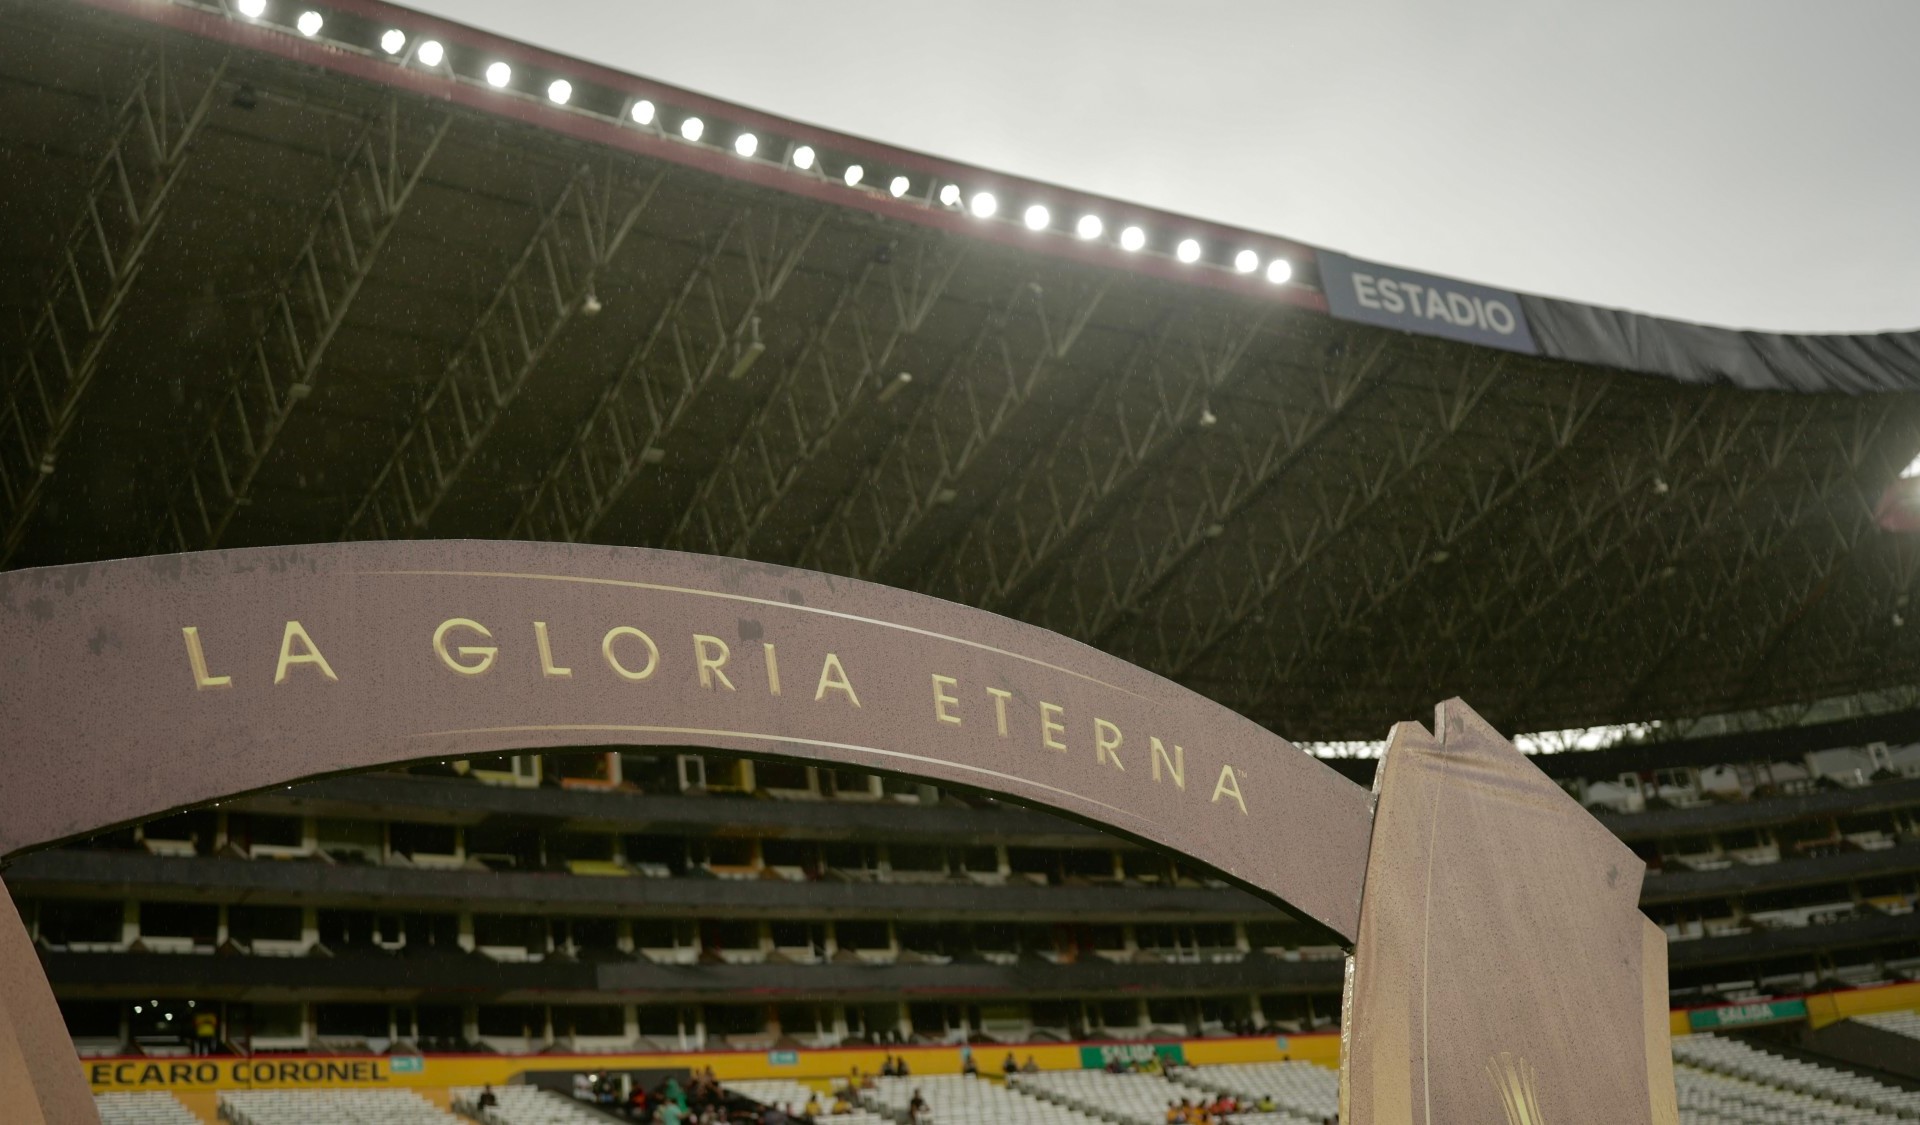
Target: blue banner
1418	302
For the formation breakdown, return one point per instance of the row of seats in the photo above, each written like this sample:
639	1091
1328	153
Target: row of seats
147	1107
331	1107
524	1105
1742	1060
793	1096
960	1099
1298	1088
1900	1023
1710	1098
1126	1099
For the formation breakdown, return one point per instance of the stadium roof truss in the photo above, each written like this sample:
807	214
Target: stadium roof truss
253	299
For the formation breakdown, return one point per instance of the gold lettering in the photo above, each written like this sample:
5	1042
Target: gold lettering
1106	739
1000	697
482	655
1230	785
1048	728
548	668
832	675
613	662
941	700
1176	765
773	668
198	659
310	654
710	665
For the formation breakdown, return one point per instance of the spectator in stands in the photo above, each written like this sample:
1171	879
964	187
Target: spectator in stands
1008	1066
841	1105
900	1069
488	1099
813	1106
887	1069
917	1109
206	1031
1175	1113
1265	1104
669	1113
1030	1067
856	1081
675	1094
774	1115
967	1066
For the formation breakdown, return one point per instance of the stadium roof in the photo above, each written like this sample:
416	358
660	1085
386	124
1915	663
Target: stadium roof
267	286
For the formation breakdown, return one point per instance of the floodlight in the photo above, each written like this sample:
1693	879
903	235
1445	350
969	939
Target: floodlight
431	53
642	112
803	158
1188	251
1279	271
1037	217
950	195
692	127
392	40
253	9
1133	238
898	186
746	144
853	174
1089	227
499	74
1246	261
309	23
559	91
983	205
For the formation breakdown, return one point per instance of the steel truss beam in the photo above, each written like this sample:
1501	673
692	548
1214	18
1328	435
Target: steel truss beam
1106	454
1698	521
1185	631
921	468
843	369
126	199
705	328
1099	588
1762	619
1575	540
283	363
542	291
1441	533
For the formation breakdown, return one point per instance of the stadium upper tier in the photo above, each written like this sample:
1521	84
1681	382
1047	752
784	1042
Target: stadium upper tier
281	283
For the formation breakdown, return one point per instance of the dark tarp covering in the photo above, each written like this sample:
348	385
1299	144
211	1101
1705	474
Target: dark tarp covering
1693	353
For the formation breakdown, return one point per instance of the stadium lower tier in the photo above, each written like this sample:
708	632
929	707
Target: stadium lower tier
1718	1081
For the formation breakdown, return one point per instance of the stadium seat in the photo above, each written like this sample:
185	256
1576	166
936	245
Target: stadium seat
958	1099
1735	1059
331	1107
1299	1088
525	1105
153	1107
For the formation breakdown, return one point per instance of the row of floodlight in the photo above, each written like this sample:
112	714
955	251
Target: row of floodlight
982	204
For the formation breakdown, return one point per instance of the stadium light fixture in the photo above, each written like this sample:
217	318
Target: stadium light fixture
898	186
692	127
1038	217
499	74
431	53
1246	261
1279	271
1132	239
392	40
559	91
309	23
950	195
746	144
642	112
983	205
803	158
853	174
253	9
1188	251
1089	227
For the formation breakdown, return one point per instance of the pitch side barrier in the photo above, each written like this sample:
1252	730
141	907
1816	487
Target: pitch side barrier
1500	964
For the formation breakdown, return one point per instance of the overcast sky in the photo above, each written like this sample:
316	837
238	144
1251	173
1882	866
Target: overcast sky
1750	163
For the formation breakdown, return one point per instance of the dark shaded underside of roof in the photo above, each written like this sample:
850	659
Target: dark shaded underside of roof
1324	525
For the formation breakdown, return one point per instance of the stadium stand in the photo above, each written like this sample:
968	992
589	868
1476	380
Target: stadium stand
786	1093
1709	1098
1128	1099
1310	1091
956	1099
1900	1023
524	1105
331	1107
145	1107
1795	1077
